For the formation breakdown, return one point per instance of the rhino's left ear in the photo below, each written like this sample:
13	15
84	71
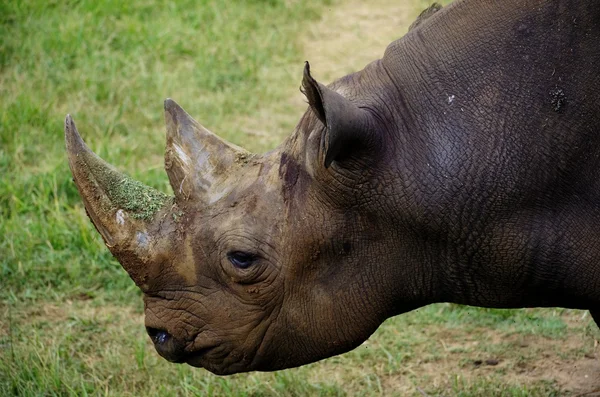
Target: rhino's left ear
349	127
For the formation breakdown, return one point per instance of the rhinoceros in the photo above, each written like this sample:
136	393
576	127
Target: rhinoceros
463	166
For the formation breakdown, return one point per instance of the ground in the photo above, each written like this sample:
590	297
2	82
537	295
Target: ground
71	321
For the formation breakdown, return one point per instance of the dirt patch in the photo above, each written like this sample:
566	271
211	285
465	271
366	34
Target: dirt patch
570	364
355	33
418	356
530	359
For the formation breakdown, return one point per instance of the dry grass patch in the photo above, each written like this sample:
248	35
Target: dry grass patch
458	358
355	33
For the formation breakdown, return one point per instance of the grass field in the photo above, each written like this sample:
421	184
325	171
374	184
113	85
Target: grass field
71	320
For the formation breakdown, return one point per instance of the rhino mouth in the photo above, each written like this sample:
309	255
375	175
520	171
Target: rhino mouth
199	358
196	358
213	359
222	359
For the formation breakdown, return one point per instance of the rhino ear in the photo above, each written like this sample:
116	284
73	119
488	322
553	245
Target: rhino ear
347	125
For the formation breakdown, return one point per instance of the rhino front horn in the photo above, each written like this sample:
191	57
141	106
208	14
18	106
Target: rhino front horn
124	211
196	160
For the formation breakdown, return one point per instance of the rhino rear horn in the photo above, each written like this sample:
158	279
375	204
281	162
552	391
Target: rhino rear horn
124	211
348	126
196	160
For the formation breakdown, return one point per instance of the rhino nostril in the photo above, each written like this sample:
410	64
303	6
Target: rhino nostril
158	336
167	345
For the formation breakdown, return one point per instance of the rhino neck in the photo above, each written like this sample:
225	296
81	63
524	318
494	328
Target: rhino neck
547	256
385	273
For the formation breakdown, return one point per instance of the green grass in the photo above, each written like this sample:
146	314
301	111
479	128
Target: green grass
71	320
95	346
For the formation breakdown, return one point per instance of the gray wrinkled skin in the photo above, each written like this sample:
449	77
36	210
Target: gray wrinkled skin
461	167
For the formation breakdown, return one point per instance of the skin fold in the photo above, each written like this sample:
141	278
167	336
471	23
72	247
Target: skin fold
460	167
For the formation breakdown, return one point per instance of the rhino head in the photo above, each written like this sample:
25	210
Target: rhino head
258	262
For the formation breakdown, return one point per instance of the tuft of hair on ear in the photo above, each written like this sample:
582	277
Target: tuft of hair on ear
310	89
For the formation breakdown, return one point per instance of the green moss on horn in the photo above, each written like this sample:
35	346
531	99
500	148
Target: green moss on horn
122	192
138	200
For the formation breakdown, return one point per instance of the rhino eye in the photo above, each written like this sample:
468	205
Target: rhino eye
241	260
